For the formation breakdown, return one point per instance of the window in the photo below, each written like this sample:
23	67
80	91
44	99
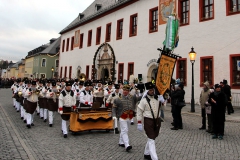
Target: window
235	71
183	11
153	20
119	29
130	68
43	62
70	72
232	7
206	70
72	43
206	9
133	25
65	72
56	63
63	45
43	75
61	72
81	40
108	32
120	71
67	44
93	72
89	38
87	71
98	36
181	70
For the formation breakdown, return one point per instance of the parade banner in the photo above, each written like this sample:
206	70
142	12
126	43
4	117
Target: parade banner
166	8
77	38
165	71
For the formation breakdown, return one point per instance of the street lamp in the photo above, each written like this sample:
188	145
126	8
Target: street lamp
52	71
192	56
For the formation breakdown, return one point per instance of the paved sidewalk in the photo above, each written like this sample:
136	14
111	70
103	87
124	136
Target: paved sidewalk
47	143
235	117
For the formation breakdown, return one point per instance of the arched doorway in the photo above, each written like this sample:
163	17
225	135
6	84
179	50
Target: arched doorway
152	72
104	63
105	74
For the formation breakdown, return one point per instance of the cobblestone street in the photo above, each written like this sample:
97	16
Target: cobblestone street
44	142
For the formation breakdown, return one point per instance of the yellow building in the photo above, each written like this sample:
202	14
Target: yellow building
21	69
28	67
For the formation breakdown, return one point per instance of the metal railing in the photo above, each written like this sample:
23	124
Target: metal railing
236	99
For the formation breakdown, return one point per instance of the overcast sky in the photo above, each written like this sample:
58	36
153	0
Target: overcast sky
27	24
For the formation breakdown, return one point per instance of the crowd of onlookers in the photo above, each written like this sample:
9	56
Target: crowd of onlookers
6	82
215	102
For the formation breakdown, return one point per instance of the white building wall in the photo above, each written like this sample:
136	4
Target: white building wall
218	38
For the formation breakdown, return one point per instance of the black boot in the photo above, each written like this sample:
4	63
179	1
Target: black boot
116	131
148	157
28	126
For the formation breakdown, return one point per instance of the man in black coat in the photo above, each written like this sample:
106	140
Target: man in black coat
227	90
177	95
218	101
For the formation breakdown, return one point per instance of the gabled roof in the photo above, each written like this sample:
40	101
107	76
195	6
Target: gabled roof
16	64
52	48
91	12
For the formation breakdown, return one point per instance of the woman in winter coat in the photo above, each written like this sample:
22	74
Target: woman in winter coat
218	101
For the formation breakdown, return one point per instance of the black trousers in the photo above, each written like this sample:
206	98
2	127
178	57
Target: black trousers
229	107
203	111
177	117
210	122
218	127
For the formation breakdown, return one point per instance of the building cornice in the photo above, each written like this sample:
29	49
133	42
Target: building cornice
101	13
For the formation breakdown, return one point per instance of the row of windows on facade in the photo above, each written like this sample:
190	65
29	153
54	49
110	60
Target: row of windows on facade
206	9
153	27
206	13
44	63
120	75
207	70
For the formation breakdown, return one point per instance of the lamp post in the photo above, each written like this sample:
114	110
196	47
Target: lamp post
192	56
52	71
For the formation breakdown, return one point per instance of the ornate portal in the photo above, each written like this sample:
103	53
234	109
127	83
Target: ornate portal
104	63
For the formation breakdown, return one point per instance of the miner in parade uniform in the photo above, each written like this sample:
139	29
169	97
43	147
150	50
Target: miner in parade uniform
21	98
148	116
32	98
13	88
16	96
52	99
109	90
98	93
123	109
28	85
109	103
75	85
67	101
40	97
86	97
45	105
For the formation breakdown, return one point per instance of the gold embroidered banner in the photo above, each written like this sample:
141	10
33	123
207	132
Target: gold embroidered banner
165	71
165	9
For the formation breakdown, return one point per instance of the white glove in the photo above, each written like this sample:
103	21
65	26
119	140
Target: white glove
114	118
61	112
90	103
139	126
161	99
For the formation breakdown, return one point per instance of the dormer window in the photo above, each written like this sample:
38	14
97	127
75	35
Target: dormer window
98	7
81	15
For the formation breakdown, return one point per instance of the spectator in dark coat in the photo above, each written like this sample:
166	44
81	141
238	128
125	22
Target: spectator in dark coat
177	94
218	101
227	90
